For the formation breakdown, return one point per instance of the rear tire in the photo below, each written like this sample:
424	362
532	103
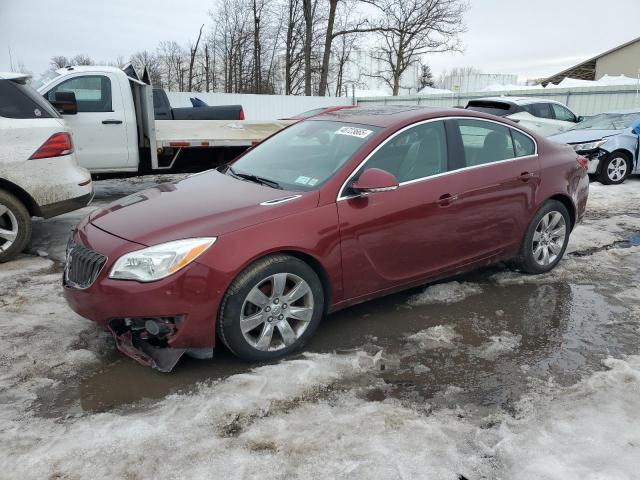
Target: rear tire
615	169
546	239
15	226
271	309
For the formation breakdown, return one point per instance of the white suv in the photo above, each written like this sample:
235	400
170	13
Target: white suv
39	175
546	117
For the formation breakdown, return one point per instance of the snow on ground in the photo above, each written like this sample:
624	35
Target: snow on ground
498	345
310	416
450	292
439	335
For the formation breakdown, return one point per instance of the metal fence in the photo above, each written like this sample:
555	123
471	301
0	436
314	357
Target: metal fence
260	107
583	101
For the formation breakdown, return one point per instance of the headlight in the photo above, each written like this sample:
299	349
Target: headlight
159	261
585	147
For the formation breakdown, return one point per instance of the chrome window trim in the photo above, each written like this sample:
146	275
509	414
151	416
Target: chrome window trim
341	195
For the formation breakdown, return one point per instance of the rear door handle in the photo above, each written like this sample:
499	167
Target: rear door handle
111	122
526	176
447	199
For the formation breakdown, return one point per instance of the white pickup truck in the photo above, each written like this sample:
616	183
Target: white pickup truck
112	119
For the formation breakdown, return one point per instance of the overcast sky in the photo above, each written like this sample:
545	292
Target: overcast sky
530	38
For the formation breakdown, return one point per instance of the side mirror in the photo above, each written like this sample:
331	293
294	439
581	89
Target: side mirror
65	103
375	180
635	128
579	119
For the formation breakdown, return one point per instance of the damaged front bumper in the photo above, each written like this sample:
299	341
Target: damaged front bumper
594	157
145	341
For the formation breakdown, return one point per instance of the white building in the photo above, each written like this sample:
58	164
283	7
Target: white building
362	68
475	82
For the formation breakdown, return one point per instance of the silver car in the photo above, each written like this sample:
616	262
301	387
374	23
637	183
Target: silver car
611	143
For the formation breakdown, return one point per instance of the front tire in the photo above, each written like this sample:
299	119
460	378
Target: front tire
546	239
271	309
15	226
615	169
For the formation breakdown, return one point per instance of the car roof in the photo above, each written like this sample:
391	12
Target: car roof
89	68
21	77
394	115
516	100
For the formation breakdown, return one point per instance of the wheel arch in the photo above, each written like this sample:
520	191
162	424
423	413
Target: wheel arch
568	203
317	267
21	195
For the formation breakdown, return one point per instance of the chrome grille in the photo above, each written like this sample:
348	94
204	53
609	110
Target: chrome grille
83	266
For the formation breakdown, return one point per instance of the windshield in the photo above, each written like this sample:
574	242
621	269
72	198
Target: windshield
44	79
608	121
305	155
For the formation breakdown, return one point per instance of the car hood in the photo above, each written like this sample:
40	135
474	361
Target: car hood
585	135
204	205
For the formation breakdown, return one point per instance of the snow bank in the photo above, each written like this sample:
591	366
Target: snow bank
450	292
602	232
39	334
591	430
435	336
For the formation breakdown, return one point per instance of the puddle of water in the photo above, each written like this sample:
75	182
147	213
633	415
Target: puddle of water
502	338
633	241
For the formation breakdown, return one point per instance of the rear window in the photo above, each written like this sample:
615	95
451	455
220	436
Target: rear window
500	109
18	100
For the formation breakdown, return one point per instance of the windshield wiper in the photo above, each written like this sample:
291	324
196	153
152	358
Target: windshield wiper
255	179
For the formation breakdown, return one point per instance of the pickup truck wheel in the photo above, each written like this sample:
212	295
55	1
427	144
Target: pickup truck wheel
271	309
546	239
15	226
615	169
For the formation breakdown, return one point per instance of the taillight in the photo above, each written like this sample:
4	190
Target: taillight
583	162
241	114
57	145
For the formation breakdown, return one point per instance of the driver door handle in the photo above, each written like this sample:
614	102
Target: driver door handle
526	176
111	122
447	199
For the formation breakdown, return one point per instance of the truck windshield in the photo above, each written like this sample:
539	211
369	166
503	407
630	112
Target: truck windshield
608	121
303	156
44	80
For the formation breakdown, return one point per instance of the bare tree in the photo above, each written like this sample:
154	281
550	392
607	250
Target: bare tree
308	9
192	58
147	60
294	48
412	28
354	25
59	61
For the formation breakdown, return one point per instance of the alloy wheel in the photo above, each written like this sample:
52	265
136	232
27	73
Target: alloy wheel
549	238
617	169
8	228
276	312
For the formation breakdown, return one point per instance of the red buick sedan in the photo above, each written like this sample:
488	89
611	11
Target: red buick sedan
327	213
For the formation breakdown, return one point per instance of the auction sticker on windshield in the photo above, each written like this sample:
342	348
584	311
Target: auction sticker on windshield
354	132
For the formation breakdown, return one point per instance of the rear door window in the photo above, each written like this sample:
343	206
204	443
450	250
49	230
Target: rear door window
21	101
540	110
485	142
522	144
93	92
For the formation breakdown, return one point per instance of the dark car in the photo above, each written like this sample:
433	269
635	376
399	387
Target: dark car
327	213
